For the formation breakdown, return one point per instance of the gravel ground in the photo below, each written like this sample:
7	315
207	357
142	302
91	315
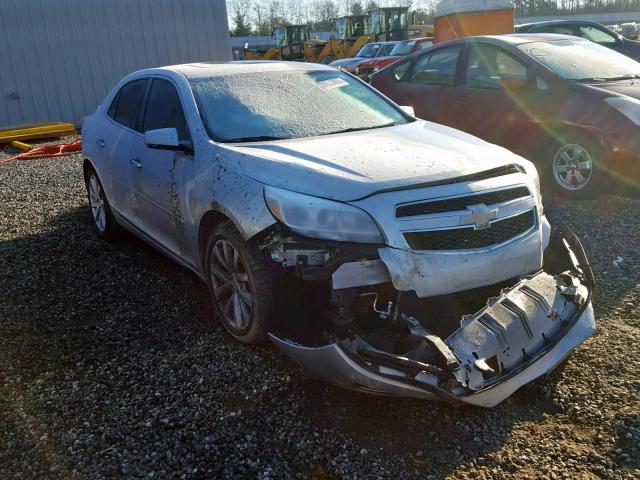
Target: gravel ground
110	366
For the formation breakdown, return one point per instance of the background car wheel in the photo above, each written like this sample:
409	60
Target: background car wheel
328	59
576	168
101	216
240	284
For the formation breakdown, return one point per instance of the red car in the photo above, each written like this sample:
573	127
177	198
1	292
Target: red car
371	65
569	105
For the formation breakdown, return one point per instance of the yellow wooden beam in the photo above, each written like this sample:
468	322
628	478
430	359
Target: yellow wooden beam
42	130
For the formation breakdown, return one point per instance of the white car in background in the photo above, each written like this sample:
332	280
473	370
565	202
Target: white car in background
385	253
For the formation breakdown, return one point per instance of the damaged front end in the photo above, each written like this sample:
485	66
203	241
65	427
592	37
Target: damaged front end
348	319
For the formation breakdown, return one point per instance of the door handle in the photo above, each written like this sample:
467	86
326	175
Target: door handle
100	143
135	162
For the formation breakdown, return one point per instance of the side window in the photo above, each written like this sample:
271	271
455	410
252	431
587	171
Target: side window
487	65
437	68
129	103
563	30
114	106
425	44
164	109
400	70
596	35
541	29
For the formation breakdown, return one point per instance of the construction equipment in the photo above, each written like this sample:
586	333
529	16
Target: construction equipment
420	31
36	130
353	32
391	23
290	40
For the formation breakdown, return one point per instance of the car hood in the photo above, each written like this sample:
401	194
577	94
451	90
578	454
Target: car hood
379	61
345	62
351	166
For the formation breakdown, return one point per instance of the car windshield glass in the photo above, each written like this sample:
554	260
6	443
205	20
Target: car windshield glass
403	48
369	50
271	105
385	50
581	60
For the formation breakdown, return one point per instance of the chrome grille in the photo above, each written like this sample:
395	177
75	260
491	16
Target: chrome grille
461	203
467	237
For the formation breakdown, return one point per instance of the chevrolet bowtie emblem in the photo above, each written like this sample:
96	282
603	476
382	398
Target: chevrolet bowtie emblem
480	217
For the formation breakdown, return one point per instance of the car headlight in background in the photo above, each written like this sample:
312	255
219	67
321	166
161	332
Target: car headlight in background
376	68
629	107
319	218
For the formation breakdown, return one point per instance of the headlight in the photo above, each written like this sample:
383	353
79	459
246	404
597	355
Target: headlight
376	68
319	218
629	107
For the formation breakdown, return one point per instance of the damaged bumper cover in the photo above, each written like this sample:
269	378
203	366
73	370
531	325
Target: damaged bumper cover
518	336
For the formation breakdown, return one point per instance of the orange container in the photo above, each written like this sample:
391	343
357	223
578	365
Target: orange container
457	19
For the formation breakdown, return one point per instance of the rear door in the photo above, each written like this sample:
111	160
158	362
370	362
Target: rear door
160	172
114	137
429	84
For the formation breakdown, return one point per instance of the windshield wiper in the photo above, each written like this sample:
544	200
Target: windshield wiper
358	129
257	138
629	76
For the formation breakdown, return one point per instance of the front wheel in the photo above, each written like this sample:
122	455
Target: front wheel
576	168
239	283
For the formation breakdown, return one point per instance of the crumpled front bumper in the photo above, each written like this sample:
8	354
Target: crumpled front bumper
333	364
543	321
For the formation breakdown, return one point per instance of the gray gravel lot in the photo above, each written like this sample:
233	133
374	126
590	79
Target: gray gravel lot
111	366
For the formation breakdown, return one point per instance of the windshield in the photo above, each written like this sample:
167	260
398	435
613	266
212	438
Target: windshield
582	60
403	48
369	50
289	104
385	49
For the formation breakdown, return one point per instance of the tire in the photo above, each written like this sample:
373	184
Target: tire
328	59
575	167
100	214
240	284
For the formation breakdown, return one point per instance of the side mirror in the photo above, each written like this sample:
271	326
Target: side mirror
166	139
408	109
514	84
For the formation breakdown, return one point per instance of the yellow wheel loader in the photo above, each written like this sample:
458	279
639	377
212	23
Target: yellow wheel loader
290	40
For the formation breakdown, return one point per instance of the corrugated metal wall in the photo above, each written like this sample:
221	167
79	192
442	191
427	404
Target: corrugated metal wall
59	58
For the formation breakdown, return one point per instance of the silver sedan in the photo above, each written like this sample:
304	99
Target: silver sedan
360	240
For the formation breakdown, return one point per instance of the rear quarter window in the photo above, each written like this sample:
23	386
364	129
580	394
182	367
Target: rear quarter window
129	103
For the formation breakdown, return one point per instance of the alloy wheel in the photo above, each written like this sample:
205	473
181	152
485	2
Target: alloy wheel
231	285
572	167
96	201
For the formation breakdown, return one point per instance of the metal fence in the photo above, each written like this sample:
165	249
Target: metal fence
59	58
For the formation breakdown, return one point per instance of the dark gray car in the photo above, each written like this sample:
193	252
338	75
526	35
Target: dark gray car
590	30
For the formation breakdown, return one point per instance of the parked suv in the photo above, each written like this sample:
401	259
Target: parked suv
385	253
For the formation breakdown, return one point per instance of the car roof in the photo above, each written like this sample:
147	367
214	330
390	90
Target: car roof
522	38
206	69
552	22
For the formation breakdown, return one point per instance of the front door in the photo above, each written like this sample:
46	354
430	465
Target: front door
160	172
